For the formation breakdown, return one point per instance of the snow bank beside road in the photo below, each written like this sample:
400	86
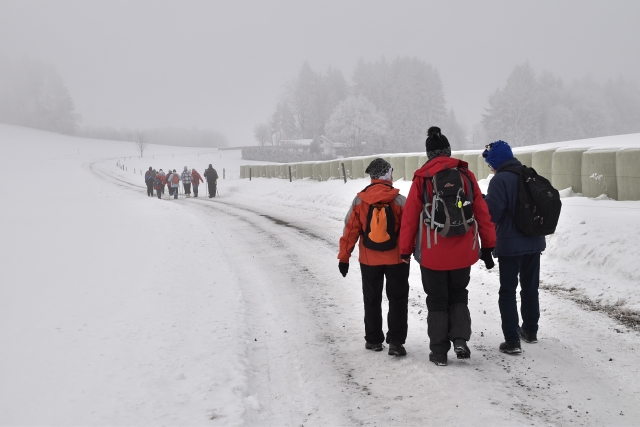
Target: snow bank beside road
112	308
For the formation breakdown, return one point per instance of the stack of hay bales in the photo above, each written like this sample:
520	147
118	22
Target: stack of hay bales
566	168
542	160
628	173
599	174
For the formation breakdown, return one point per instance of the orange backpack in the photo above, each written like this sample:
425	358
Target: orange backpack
175	178
380	233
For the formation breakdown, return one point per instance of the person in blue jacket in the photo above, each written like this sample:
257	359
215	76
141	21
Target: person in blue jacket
518	255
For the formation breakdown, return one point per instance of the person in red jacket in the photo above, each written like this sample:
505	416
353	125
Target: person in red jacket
374	218
445	262
196	179
158	184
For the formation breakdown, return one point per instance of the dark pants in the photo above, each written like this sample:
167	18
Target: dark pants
170	190
212	188
159	191
187	188
528	267
195	190
398	295
175	192
447	302
150	188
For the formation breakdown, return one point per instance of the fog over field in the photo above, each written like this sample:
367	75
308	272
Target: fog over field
223	65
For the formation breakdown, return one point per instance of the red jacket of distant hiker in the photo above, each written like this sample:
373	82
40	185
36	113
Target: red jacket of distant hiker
196	178
355	223
449	253
161	184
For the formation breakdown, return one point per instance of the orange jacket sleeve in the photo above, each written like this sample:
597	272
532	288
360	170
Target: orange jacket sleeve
351	232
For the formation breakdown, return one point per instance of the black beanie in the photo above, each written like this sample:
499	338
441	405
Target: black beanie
378	168
437	144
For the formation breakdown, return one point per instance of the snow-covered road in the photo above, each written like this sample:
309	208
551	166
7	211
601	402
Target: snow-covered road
231	311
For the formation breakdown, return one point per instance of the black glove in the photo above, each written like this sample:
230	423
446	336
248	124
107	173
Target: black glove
487	258
344	268
406	258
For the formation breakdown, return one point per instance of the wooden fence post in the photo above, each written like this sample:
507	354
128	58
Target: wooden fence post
343	173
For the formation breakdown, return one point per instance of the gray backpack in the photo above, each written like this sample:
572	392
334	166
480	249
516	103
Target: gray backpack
447	209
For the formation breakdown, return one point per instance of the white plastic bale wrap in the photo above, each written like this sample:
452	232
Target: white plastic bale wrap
542	160
471	157
335	169
263	171
325	170
357	169
599	174
307	170
422	160
483	168
628	173
317	171
410	166
348	168
241	172
299	171
566	168
397	163
525	157
457	155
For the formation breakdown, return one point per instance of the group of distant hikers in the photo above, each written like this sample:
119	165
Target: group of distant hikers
156	180
448	225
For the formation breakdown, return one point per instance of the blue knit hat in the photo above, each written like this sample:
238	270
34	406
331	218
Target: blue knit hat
497	153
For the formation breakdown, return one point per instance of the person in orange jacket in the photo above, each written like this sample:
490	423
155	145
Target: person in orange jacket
374	219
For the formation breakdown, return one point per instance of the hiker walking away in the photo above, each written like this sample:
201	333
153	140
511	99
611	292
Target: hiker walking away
148	179
158	183
164	179
445	221
517	253
196	180
186	181
174	182
169	188
212	180
374	218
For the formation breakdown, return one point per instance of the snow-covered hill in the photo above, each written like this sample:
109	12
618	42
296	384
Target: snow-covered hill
117	308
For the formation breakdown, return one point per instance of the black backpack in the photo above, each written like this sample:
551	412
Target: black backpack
380	232
448	210
539	203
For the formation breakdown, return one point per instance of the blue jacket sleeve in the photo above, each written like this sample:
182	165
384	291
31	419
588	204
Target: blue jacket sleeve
496	199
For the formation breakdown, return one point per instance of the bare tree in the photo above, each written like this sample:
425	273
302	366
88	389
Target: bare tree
262	132
141	142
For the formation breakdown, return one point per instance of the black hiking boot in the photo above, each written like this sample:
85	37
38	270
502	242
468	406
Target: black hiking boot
374	347
461	349
530	337
396	349
438	359
512	347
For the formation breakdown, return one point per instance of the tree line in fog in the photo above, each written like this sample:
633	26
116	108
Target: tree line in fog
389	105
33	94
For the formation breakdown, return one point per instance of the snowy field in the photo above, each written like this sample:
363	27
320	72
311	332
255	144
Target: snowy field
121	309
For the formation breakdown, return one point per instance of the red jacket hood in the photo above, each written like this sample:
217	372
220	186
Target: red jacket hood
380	190
438	164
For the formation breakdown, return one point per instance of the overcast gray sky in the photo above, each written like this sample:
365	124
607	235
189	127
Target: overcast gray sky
222	64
